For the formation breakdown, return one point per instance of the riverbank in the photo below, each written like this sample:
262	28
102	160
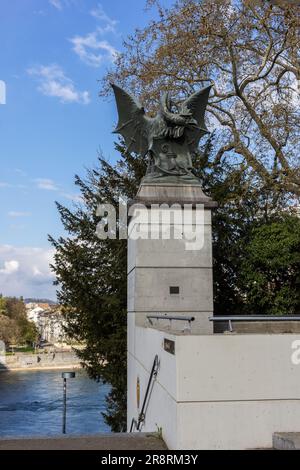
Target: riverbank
40	361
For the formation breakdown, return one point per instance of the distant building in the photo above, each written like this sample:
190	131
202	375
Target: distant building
44	306
49	321
33	312
51	326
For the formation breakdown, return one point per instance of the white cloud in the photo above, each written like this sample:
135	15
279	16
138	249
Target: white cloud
4	185
61	4
47	184
36	271
109	25
10	267
19	214
25	271
54	82
56	3
92	50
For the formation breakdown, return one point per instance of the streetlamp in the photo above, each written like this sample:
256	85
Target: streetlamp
65	376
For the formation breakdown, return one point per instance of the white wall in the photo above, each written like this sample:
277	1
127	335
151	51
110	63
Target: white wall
162	406
218	391
237	367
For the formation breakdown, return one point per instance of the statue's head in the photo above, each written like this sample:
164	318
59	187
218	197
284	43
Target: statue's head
175	114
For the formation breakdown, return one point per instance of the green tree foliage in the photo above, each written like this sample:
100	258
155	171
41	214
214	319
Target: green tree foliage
270	269
28	332
14	326
2	305
8	330
15	308
244	200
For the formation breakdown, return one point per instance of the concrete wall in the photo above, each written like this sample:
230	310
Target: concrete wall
40	361
217	391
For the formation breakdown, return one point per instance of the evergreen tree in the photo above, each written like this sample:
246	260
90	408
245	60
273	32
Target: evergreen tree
92	277
270	269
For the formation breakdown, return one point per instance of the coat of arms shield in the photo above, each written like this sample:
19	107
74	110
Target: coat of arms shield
171	157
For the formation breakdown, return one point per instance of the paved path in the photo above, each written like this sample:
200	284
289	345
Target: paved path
107	441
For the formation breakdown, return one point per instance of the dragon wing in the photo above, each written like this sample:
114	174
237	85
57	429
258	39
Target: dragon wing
133	125
196	104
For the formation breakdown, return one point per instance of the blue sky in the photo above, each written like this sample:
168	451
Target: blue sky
53	52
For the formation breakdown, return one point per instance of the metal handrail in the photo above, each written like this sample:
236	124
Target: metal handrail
257	318
170	317
141	417
133	423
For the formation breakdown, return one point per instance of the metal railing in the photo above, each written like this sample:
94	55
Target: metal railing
254	318
133	423
186	318
141	418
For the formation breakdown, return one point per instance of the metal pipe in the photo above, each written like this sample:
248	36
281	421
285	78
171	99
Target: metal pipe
64	405
153	374
133	423
170	317
65	376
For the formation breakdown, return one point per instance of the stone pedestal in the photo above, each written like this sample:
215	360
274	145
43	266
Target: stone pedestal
170	276
170	193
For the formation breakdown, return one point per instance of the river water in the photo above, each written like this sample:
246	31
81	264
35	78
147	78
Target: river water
31	404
